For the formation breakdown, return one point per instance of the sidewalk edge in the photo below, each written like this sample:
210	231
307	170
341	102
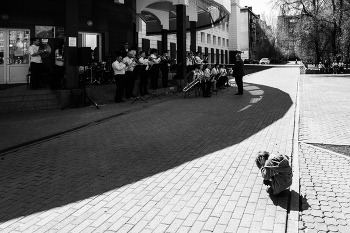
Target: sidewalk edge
293	210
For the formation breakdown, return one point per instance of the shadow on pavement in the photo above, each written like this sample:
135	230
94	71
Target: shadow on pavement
281	200
153	147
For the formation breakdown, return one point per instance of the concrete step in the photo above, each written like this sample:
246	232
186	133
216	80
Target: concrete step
23	99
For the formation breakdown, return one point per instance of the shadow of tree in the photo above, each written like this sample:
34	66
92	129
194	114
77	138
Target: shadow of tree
133	147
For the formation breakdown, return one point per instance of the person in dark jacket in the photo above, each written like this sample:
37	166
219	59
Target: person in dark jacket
238	72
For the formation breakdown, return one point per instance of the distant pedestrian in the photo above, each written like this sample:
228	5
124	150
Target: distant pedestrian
326	66
276	171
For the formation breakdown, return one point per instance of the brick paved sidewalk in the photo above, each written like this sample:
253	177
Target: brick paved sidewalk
24	127
325	175
184	165
325	186
325	109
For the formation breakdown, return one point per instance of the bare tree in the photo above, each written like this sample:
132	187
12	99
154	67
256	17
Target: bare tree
320	24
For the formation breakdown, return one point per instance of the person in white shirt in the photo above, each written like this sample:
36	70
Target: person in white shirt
144	73
119	75
189	61
215	76
198	59
206	81
223	80
35	64
321	68
130	61
335	67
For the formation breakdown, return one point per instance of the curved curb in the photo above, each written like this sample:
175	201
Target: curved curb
292	214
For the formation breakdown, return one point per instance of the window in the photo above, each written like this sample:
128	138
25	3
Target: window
202	37
227	43
214	40
223	41
219	40
208	38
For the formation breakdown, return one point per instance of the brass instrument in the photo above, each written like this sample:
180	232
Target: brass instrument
197	79
190	85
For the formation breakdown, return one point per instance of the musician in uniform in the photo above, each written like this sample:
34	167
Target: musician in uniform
119	76
206	83
189	61
198	59
215	75
35	64
164	68
130	61
144	75
154	61
192	75
223	77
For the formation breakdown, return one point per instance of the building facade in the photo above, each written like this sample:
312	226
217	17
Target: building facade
248	38
101	25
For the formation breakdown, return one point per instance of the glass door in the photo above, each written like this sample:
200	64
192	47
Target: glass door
2	49
14	55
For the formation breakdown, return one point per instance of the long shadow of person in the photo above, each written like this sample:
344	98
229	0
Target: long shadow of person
290	201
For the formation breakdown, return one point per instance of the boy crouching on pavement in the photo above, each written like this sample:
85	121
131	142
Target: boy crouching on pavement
275	170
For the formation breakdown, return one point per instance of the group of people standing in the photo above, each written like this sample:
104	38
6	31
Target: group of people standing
36	66
149	68
153	66
211	79
335	67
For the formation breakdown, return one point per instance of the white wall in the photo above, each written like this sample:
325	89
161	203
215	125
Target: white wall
234	26
244	34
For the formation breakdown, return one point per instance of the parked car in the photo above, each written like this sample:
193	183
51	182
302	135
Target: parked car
264	61
248	61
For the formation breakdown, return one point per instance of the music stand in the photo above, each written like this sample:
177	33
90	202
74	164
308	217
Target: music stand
172	70
177	66
137	70
153	92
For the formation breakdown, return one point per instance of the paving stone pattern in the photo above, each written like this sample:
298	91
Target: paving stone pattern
325	186
184	165
325	109
324	175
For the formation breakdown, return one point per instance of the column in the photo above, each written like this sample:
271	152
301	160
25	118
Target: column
193	32
181	38
71	31
164	40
